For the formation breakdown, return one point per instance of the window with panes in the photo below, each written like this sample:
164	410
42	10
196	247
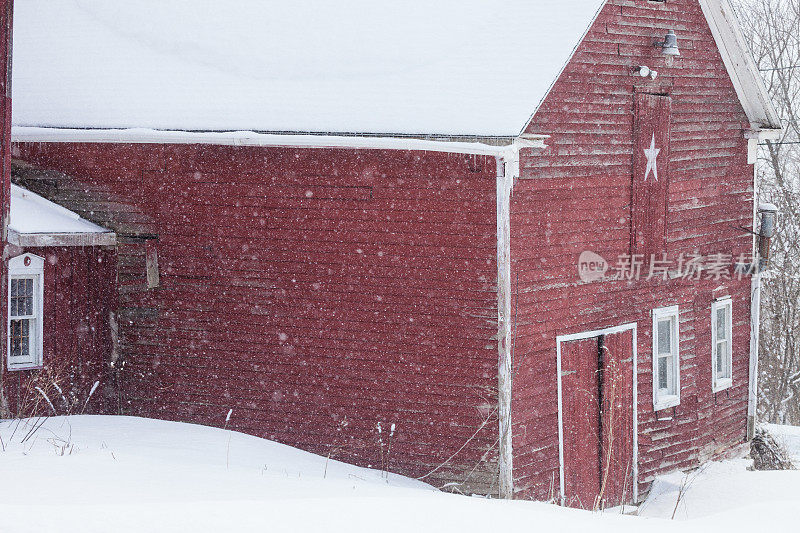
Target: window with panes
666	362
25	312
722	344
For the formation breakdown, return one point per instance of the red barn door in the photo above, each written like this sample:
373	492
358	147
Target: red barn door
581	418
597	418
617	419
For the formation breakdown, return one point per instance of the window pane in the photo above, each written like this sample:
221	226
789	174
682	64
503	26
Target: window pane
665	336
723	363
20	337
21	303
722	323
663	380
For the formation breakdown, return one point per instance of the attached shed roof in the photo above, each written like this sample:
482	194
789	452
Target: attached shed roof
449	67
36	221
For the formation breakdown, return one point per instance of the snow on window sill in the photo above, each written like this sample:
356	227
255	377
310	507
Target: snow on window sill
665	402
721	385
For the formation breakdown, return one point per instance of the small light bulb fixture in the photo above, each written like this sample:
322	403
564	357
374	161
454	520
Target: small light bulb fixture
646	72
669	46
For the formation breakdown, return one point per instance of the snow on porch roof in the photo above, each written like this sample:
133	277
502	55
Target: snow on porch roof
449	67
36	221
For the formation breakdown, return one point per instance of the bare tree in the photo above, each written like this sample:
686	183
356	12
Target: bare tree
773	29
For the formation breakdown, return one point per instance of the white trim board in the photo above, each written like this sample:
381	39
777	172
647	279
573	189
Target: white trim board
632	326
740	65
35	240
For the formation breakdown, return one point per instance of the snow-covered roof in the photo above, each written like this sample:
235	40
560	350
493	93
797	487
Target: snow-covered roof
449	67
36	221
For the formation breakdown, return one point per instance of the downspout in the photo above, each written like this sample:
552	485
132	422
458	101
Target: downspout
766	231
754	136
755	297
755	321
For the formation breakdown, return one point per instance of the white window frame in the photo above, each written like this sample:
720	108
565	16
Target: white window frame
27	266
725	382
660	399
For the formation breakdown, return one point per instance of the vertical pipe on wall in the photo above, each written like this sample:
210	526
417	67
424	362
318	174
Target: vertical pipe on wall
755	321
504	182
764	230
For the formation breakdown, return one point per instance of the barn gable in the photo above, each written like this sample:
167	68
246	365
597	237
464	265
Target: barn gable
637	169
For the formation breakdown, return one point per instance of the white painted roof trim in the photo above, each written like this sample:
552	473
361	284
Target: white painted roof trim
250	138
35	240
741	67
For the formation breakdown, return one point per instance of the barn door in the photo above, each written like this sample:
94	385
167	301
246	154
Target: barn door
597	418
580	388
617	419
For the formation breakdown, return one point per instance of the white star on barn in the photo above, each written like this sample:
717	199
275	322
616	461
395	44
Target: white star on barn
651	154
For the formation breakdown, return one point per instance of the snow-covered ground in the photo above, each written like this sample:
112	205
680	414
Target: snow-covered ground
101	473
726	487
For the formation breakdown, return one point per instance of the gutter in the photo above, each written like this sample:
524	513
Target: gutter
251	138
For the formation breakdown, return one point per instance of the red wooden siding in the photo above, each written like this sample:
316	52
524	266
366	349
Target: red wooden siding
79	296
576	196
317	293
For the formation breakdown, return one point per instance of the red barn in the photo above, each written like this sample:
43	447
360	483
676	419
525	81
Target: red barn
491	248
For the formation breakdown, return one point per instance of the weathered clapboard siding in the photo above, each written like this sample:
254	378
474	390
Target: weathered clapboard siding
576	196
79	298
316	293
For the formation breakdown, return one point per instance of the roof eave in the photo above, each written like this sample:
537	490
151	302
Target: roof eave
740	65
36	240
434	143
